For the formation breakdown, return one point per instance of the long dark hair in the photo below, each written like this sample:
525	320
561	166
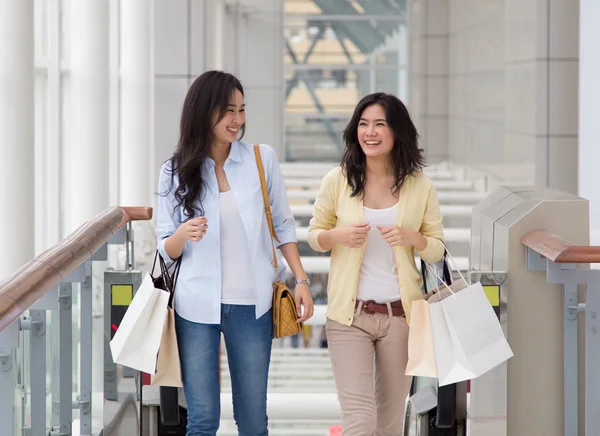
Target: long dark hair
211	92
406	156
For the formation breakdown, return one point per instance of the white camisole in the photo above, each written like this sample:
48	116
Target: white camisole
237	278
378	278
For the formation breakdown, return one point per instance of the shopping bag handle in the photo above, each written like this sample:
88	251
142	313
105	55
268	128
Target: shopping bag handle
431	269
456	266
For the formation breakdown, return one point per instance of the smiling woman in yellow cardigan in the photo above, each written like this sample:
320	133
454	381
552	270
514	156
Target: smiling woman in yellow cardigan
373	213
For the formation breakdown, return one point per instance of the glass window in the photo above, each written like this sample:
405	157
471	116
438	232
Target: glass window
40	17
336	52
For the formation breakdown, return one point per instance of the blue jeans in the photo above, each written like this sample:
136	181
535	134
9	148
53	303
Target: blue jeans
248	341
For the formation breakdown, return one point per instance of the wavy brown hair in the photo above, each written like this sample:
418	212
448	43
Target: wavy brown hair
406	157
210	93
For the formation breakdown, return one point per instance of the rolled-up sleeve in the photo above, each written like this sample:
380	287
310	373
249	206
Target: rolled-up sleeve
432	229
324	216
167	216
283	219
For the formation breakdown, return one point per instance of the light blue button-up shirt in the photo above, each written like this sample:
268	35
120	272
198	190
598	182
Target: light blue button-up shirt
198	292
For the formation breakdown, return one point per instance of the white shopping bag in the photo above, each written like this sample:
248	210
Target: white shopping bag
467	335
421	349
138	338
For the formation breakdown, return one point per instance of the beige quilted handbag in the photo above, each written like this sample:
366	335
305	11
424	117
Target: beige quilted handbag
285	315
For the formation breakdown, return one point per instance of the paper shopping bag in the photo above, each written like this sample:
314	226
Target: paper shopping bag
467	335
421	354
168	367
421	351
137	340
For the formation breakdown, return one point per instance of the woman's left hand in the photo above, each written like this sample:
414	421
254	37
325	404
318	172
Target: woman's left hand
303	298
401	237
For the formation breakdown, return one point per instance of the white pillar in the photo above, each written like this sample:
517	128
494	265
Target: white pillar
589	108
254	52
85	168
137	89
16	134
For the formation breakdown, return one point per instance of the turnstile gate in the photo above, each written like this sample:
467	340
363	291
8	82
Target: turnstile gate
524	396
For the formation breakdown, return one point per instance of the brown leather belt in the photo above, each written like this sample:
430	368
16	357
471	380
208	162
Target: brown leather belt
372	307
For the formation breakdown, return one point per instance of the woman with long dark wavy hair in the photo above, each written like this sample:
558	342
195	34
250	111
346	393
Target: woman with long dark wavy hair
211	214
373	212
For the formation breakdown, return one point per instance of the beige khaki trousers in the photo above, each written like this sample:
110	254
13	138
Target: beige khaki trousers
369	362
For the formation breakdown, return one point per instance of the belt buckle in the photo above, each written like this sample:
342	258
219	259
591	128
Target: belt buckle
367	307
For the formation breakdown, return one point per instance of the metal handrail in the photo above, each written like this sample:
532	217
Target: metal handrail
558	249
28	284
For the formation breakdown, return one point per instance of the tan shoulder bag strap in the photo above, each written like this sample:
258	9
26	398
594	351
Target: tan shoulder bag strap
265	194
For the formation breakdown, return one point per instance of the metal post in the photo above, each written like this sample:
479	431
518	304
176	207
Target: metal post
570	358
129	251
129	248
592	355
65	380
85	383
36	324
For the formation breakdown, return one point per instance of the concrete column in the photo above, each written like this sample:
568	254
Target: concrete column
256	48
589	108
85	170
137	103
17	134
429	75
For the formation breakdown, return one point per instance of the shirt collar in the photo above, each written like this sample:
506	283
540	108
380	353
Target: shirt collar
235	155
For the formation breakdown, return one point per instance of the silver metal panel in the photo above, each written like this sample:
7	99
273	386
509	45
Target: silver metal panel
48	302
76	276
477	214
10	336
101	254
500	230
488	220
118	238
488	410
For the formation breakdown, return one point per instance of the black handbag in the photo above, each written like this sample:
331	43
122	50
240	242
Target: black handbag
426	274
168	275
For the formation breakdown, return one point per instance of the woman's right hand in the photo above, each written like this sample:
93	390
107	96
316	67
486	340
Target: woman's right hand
193	230
351	236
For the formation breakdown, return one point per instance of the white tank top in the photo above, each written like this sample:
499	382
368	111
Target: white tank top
237	278
378	278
